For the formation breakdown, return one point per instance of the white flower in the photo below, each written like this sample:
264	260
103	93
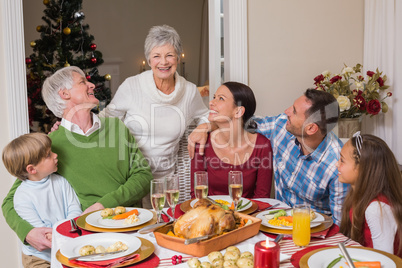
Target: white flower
326	73
359	85
344	103
347	70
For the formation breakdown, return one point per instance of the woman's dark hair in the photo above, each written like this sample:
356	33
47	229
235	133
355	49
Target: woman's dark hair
324	110
244	96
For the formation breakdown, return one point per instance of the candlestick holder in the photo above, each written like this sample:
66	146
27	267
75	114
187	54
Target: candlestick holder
266	254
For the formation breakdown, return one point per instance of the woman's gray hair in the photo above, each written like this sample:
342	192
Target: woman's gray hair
62	79
162	35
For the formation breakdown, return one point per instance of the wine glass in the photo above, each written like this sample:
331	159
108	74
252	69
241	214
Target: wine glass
235	186
172	191
158	196
201	184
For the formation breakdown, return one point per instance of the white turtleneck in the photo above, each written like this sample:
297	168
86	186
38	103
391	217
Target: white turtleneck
157	120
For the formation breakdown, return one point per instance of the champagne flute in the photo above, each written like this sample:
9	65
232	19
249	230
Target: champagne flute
235	186
158	196
172	191
201	184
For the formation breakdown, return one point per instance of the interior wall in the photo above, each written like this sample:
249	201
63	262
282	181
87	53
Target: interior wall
292	41
120	28
9	254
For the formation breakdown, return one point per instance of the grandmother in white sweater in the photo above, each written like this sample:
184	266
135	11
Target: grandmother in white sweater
158	105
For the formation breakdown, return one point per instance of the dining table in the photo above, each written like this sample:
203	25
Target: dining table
286	244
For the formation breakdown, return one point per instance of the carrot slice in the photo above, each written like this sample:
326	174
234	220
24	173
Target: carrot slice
125	215
232	206
369	264
286	218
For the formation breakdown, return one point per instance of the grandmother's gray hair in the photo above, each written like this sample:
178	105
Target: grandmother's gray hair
62	79
162	35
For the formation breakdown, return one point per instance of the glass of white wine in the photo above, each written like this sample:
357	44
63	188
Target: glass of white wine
201	184
235	186
158	196
172	191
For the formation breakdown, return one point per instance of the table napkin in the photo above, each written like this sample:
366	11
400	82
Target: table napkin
261	205
333	230
65	227
295	259
152	261
177	212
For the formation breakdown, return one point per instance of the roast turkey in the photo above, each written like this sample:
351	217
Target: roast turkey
205	219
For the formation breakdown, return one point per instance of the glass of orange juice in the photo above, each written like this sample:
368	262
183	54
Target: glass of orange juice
301	225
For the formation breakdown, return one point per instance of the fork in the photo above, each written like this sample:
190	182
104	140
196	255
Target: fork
74	228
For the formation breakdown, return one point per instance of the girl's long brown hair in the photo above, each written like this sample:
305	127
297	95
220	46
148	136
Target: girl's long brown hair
379	174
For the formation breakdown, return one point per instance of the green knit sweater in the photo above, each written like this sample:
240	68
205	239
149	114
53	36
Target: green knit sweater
106	167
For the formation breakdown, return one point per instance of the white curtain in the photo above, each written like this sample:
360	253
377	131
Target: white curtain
383	50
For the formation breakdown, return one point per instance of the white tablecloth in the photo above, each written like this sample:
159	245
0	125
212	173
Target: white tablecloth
287	246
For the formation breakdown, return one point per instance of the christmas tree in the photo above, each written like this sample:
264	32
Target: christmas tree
64	41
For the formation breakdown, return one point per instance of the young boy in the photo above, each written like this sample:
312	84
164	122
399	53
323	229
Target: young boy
43	198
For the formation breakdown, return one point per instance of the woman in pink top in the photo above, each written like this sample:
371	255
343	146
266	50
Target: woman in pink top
234	145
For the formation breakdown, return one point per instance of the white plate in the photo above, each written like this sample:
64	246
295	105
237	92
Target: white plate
324	257
228	199
95	219
72	247
265	221
242	248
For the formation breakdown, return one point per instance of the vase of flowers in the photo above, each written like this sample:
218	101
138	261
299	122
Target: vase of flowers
356	94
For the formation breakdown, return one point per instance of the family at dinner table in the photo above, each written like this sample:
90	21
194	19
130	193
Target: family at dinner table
108	160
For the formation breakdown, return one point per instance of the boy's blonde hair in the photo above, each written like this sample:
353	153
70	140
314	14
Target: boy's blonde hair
28	149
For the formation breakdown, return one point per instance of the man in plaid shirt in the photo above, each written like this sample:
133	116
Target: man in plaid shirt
305	152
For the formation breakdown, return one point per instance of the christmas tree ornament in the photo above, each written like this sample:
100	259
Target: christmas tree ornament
66	64
66	31
28	60
92	46
38	28
94	60
33	44
79	15
88	77
108	77
46	2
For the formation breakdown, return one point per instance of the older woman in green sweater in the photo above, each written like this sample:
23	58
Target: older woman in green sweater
99	157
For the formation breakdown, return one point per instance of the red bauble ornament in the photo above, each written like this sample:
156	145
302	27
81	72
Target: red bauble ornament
88	77
92	46
28	60
94	60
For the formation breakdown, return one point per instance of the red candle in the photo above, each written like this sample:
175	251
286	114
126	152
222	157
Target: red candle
266	254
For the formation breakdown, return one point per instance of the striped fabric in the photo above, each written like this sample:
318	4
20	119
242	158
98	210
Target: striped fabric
287	246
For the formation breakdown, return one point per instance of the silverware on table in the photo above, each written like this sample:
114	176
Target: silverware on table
278	238
212	201
270	207
75	228
152	227
346	255
195	239
167	215
96	254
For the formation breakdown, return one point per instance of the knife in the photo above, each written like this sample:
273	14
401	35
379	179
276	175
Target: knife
196	239
153	227
346	254
96	254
